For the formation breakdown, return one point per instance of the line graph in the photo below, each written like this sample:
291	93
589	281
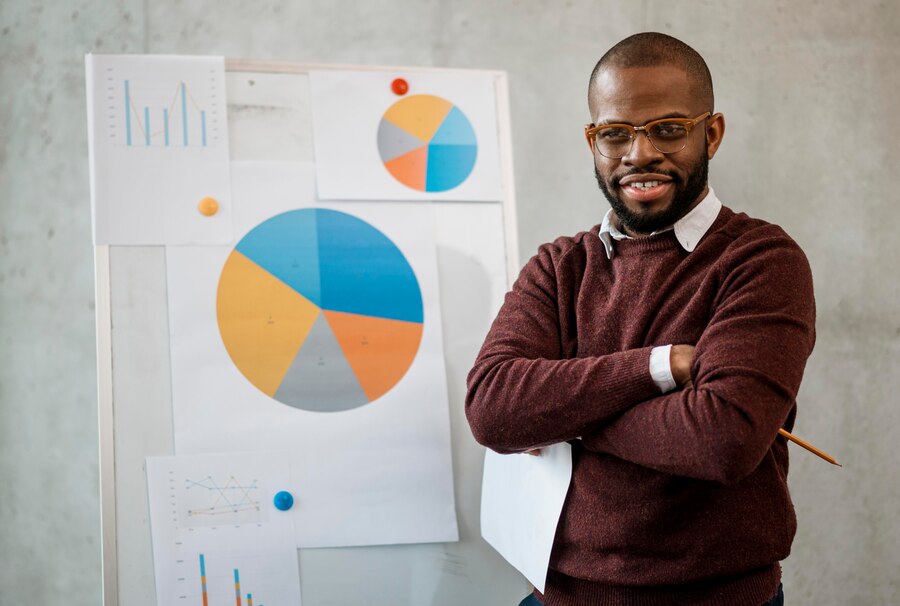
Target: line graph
232	497
218	497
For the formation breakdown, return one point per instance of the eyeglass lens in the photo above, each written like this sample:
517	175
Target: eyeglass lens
616	141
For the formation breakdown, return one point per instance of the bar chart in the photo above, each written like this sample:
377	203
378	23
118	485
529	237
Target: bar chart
173	116
168	109
159	144
223	576
238	594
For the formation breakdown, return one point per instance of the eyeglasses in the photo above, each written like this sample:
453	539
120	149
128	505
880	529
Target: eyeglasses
668	135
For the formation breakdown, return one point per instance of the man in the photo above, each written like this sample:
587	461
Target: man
667	345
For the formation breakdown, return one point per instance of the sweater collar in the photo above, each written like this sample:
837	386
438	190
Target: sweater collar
689	229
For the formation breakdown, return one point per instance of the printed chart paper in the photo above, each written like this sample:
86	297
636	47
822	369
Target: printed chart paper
319	333
158	135
436	141
521	501
217	537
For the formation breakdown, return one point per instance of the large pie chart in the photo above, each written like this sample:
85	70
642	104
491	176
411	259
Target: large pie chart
427	143
319	310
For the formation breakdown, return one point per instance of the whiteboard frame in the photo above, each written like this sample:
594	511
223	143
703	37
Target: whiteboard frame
103	292
108	526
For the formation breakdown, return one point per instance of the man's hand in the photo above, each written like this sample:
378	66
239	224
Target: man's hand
680	359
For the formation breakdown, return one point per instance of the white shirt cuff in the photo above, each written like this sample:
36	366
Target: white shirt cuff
661	368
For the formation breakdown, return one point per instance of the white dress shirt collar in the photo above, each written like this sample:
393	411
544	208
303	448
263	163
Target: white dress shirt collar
689	229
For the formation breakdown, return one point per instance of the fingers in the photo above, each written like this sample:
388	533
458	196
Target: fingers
680	359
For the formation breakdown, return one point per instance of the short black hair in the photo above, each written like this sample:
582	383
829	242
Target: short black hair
652	49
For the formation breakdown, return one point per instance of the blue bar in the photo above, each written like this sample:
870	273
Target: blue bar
166	123
127	114
184	114
202	566
147	124
203	122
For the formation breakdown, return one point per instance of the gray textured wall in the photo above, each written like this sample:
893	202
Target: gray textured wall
808	88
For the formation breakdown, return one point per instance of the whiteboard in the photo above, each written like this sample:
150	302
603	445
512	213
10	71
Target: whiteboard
269	120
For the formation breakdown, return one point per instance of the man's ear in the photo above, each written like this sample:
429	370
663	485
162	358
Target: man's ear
715	130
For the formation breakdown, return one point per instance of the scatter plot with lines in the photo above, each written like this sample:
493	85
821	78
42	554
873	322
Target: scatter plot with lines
219	490
220	500
158	135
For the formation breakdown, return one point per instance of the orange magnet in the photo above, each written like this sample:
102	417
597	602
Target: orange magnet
399	86
208	207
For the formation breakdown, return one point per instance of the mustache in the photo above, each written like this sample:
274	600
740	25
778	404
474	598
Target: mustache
672	175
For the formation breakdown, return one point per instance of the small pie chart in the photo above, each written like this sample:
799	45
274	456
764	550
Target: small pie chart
319	310
427	143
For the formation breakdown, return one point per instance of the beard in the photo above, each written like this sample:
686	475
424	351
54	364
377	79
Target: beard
686	193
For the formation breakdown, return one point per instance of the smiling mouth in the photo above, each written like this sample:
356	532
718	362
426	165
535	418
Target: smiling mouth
646	191
646	187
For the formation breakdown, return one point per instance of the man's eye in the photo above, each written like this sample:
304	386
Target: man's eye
669	131
613	134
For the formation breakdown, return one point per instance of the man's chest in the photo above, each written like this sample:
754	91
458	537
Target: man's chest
630	305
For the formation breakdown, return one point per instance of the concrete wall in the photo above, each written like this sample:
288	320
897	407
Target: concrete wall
808	89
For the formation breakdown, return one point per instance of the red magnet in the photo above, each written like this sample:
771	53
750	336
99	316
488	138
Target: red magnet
399	86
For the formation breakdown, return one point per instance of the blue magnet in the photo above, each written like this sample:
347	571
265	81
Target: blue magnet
284	500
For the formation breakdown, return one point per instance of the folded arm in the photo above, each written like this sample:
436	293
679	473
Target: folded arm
525	391
745	376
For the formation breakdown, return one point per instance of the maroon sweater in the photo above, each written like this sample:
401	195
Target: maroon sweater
678	498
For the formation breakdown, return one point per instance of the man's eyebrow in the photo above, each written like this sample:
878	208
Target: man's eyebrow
671	115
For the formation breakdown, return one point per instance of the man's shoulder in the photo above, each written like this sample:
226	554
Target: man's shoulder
578	245
743	229
565	258
754	240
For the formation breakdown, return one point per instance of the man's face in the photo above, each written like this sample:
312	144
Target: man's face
636	96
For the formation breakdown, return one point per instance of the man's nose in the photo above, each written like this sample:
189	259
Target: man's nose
642	152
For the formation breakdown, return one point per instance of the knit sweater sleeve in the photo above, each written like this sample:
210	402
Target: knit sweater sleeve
528	387
747	368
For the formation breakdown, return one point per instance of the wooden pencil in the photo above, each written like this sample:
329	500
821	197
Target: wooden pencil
808	447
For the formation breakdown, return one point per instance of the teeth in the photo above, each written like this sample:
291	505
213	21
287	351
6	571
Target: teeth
645	184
